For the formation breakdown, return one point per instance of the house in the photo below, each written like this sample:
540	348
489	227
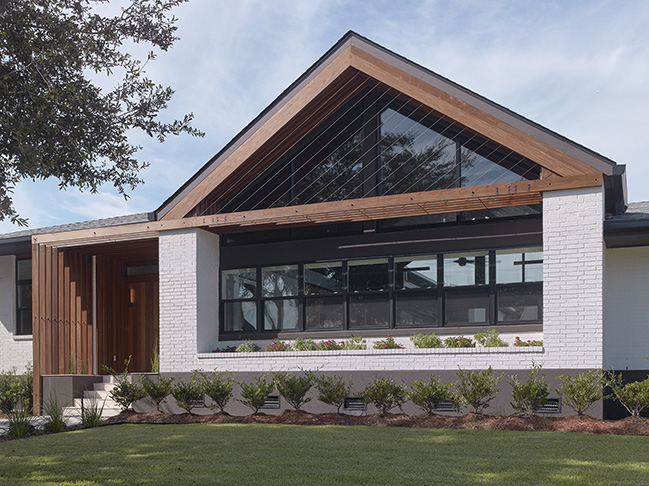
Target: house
373	197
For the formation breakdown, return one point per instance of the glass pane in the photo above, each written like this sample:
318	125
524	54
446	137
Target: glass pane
519	265
24	270
324	312
369	311
466	269
467	307
367	275
415	310
279	281
24	323
323	278
280	314
520	303
534	266
239	316
414	157
24	296
239	284
415	272
478	170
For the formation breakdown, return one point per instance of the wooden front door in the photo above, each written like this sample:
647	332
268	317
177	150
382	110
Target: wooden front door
139	337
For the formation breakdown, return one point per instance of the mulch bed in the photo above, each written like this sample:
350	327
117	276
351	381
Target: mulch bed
573	423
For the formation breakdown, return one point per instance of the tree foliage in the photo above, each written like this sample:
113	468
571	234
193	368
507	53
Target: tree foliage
55	119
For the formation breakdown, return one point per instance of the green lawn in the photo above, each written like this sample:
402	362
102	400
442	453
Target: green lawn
280	454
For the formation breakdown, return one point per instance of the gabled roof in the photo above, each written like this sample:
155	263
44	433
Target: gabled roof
354	52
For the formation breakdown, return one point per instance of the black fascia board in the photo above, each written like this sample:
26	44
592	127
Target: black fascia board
596	160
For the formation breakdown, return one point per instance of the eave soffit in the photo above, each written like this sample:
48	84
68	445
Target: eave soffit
355	53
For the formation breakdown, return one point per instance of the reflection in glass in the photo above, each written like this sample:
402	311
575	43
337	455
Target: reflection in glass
280	314
414	157
416	309
366	275
369	311
323	278
279	281
519	304
467	306
239	284
516	265
533	266
24	296
24	269
24	322
324	312
239	316
478	170
415	272
466	269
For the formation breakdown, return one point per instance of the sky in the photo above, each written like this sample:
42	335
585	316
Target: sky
579	68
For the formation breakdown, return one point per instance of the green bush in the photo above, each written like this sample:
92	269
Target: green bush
216	387
385	395
301	344
387	343
187	393
426	341
254	394
53	412
459	342
333	390
633	396
16	391
156	392
91	412
277	345
20	424
427	395
294	388
355	342
490	339
478	388
125	393
581	391
530	395
247	347
329	345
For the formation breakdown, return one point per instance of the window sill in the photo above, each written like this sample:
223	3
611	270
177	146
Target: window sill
23	337
376	352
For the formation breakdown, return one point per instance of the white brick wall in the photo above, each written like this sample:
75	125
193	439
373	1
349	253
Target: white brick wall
15	351
626	309
573	263
188	262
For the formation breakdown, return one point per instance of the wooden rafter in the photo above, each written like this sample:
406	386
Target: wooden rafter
366	209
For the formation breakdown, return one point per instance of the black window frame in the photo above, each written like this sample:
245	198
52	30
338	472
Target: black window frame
19	330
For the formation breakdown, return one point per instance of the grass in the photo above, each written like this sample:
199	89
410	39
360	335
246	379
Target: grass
281	454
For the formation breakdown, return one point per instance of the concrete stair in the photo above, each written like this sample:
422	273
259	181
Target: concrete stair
99	395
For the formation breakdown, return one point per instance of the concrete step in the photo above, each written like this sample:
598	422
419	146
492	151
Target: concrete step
88	402
104	386
75	413
96	394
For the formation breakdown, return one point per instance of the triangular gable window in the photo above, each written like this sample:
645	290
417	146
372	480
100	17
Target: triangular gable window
374	146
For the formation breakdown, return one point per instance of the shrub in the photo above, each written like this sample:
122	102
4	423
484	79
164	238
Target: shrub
581	391
478	388
633	396
355	342
387	343
427	395
125	393
529	342
247	347
54	419
294	388
187	393
91	412
333	390
329	345
156	392
459	342
490	339
528	396
301	344
277	345
20	425
384	394
227	349
16	391
426	341
254	394
216	387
